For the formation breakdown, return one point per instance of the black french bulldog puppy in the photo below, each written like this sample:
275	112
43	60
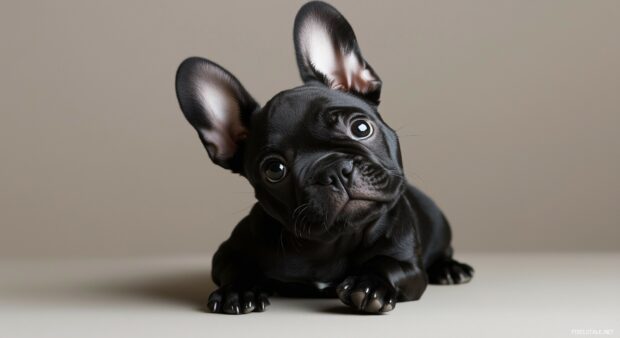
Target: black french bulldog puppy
335	215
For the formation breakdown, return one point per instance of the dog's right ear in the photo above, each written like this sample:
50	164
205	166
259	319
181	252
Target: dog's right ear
218	107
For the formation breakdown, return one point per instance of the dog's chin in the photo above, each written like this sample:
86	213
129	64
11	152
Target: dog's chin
356	214
329	222
356	210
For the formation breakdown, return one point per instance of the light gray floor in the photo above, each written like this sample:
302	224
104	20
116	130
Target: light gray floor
512	295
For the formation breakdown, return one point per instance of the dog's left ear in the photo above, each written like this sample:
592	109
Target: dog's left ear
327	51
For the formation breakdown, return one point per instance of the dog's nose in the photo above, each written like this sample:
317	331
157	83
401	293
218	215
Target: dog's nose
345	170
338	173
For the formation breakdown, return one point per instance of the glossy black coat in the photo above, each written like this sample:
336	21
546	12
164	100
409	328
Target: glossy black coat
343	222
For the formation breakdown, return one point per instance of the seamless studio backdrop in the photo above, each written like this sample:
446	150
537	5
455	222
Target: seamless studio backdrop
508	114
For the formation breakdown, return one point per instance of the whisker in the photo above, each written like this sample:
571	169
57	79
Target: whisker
296	215
282	240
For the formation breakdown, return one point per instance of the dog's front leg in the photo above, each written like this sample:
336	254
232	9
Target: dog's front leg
241	287
381	282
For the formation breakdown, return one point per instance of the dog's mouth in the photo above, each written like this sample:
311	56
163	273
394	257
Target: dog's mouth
311	219
355	213
355	205
337	213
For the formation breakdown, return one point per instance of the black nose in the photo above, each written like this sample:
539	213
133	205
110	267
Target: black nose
338	173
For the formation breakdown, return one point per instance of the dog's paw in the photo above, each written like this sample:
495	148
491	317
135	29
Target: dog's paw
367	293
449	271
236	300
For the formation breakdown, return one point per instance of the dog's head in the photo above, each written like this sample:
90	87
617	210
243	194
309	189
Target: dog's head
319	156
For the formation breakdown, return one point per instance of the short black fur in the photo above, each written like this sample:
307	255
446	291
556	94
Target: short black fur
335	215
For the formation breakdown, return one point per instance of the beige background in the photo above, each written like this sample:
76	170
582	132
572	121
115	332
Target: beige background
508	113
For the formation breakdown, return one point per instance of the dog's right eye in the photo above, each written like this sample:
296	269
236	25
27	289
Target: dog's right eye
361	129
274	169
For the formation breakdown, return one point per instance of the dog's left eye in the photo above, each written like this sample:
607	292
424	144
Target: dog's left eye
361	129
274	169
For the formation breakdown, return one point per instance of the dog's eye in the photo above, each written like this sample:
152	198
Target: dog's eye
361	129
274	169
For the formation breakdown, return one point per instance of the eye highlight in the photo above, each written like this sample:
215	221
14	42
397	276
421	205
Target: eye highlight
360	129
274	168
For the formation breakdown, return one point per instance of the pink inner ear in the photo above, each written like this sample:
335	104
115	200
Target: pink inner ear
223	112
342	70
358	77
